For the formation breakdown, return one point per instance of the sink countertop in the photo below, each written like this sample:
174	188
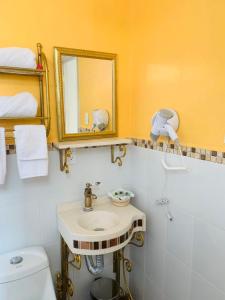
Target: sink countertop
73	233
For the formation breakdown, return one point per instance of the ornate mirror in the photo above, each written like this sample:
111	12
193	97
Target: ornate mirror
86	93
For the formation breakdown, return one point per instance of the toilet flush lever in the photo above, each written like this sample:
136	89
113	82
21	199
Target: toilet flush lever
16	260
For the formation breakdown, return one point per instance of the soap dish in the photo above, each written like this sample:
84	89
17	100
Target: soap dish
120	197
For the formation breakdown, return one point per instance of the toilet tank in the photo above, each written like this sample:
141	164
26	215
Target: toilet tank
25	275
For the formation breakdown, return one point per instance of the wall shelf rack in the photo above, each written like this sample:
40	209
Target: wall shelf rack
42	74
65	149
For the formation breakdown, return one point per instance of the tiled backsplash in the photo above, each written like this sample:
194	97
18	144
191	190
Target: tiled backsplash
11	149
198	153
193	152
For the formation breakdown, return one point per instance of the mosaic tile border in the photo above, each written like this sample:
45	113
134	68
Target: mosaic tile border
102	245
11	148
193	152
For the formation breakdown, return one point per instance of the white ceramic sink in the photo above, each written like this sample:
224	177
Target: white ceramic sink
98	220
105	229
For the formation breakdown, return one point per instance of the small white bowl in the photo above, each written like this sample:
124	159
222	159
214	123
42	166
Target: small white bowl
120	197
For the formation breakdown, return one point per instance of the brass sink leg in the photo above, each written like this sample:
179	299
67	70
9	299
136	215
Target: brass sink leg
59	286
126	266
64	286
116	265
117	270
64	268
137	239
75	261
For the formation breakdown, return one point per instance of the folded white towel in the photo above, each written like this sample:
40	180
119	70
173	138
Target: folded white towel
21	105
17	57
32	150
2	156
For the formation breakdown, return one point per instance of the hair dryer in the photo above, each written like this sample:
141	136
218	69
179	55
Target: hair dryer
165	123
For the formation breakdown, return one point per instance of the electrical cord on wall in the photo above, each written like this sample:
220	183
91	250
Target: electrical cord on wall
164	201
163	194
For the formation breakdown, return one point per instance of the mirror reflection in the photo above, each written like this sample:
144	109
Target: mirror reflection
88	94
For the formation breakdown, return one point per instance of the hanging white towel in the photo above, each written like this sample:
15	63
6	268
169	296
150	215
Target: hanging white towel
17	57
2	156
32	150
20	105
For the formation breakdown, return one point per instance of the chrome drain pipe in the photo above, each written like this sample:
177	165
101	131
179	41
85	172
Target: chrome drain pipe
97	267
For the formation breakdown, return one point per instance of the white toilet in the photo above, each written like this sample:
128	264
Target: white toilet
25	275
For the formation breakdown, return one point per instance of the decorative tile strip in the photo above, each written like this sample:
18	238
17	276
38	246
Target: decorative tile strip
197	153
193	152
11	148
108	243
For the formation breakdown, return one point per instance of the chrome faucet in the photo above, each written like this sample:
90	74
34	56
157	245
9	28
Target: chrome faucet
89	197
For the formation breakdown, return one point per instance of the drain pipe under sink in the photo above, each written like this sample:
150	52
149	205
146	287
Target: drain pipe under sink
95	268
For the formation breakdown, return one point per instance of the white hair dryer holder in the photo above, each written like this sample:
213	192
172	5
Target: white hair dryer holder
165	123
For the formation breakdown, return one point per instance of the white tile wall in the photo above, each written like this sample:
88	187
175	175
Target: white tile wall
203	289
180	236
181	260
137	283
28	208
209	254
176	278
184	259
151	290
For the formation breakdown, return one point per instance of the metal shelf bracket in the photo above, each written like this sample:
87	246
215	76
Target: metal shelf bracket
64	154
118	159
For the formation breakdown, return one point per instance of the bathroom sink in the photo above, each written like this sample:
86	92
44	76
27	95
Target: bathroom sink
105	229
98	220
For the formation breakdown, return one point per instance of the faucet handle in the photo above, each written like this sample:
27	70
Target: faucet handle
97	183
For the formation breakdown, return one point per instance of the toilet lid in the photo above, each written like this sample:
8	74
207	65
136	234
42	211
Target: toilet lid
21	263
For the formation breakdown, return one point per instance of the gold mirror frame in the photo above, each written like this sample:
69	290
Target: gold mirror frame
63	136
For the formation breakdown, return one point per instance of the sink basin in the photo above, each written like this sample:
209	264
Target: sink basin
105	229
98	220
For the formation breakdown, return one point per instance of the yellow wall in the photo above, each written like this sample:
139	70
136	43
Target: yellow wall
84	24
171	53
178	61
97	76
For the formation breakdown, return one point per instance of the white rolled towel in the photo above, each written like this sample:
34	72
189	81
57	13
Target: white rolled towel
17	57
21	105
